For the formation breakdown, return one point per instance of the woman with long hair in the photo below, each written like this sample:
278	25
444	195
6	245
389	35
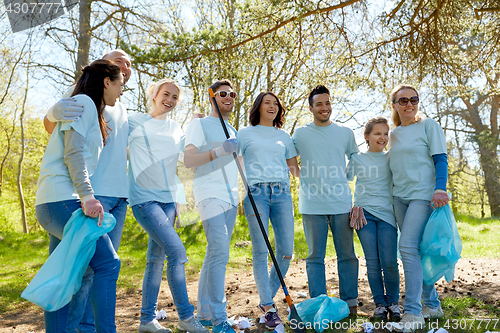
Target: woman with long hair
64	186
268	155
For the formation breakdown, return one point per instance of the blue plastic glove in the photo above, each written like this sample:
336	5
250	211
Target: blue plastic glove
67	109
228	147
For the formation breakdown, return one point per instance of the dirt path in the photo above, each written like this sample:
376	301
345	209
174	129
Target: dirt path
475	277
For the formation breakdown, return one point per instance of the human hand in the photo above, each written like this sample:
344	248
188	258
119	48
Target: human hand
67	109
228	147
439	199
93	208
357	218
198	115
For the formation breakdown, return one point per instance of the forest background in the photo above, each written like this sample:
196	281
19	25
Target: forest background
448	49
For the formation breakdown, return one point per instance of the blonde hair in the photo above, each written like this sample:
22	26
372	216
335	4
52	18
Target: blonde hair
155	87
396	120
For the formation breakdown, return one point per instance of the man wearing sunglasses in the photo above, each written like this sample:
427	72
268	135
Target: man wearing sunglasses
325	197
215	188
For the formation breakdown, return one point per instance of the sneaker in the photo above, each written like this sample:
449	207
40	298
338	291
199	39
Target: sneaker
262	308
223	327
152	327
394	312
272	319
192	325
429	313
353	311
410	323
206	323
380	313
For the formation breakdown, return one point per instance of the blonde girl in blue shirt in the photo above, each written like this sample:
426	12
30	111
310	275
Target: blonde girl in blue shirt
155	142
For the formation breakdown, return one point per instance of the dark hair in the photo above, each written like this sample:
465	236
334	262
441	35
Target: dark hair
223	82
254	116
91	83
319	89
370	123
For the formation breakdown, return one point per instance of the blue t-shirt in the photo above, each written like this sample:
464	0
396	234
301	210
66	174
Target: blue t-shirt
265	150
324	188
373	189
54	182
154	147
219	178
412	166
110	177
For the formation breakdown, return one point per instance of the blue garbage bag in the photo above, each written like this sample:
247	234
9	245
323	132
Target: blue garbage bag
440	247
61	275
319	312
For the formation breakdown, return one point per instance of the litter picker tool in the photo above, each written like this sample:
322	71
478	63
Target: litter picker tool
296	322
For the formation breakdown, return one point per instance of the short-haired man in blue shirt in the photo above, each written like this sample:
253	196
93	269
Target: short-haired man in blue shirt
325	197
215	188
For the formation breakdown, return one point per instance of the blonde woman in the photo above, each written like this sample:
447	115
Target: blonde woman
154	146
419	167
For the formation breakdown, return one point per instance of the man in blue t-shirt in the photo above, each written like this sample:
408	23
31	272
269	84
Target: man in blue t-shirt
215	188
325	197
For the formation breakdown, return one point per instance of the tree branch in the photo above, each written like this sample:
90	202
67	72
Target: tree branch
276	27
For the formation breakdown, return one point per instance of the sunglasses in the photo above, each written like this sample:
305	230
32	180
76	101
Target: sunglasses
403	101
223	94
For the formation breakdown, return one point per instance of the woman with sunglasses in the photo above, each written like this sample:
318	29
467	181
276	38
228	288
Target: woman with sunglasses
268	153
155	142
419	164
64	186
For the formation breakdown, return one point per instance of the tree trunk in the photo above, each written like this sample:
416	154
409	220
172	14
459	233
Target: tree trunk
491	167
83	38
21	158
7	153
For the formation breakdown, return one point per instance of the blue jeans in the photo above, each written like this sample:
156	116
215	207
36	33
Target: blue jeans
218	219
316	232
379	240
412	217
273	201
118	208
157	219
105	265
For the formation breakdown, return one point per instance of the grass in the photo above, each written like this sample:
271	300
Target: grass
479	236
22	255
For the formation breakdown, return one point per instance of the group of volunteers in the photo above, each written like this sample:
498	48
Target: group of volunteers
85	165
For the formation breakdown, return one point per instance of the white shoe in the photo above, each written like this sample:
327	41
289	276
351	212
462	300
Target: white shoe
153	327
429	313
192	325
410	323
